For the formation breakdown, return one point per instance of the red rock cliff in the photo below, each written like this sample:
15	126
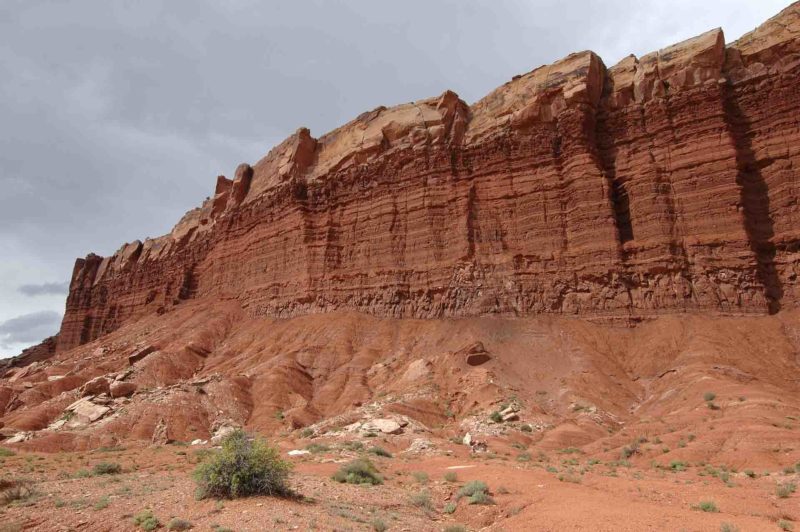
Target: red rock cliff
667	183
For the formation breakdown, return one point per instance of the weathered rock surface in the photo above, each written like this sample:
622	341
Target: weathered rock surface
96	386
666	183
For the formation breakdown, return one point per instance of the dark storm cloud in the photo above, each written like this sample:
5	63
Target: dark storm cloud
116	116
29	328
44	289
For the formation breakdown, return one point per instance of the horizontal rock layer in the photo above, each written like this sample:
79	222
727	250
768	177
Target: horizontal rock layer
663	184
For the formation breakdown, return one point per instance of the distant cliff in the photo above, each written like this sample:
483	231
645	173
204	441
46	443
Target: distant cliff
667	183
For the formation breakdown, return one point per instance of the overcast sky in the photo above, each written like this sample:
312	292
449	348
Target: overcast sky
117	116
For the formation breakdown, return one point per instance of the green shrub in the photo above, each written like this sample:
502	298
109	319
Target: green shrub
629	450
360	471
750	473
526	428
570	450
524	457
784	490
727	527
451	476
420	476
243	467
4	452
477	491
102	503
496	417
106	468
709	396
178	524
785	525
422	500
707	506
353	446
678	465
449	508
378	525
379	451
455	528
317	448
146	520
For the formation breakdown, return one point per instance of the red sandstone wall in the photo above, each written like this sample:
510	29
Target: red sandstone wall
663	184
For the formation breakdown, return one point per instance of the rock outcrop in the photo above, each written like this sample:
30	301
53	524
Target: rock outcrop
666	183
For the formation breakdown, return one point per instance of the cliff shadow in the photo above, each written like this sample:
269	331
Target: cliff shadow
754	199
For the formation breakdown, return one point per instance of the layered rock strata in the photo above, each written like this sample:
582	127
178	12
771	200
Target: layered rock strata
667	183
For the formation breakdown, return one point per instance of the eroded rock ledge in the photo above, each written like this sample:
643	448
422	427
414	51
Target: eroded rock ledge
667	183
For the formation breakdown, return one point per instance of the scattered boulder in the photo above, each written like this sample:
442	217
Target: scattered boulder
510	413
160	433
140	353
475	354
20	437
298	452
475	446
221	433
420	445
84	411
96	386
122	389
198	441
384	425
195	349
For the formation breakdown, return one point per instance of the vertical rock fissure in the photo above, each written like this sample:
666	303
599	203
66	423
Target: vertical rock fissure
472	217
754	200
607	152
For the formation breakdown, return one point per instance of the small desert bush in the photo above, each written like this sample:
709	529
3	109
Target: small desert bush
379	451
496	417
678	465
6	452
709	396
243	467
360	471
106	468
728	527
422	500
317	448
15	491
420	476
455	528
477	491
178	524
378	525
526	428
146	520
707	506
449	508
353	446
451	476
102	503
784	490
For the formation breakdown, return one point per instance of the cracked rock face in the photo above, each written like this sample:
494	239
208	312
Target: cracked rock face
663	184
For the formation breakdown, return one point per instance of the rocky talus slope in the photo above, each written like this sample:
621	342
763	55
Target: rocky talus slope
666	183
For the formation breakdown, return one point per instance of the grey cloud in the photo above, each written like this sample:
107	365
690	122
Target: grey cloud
29	328
44	289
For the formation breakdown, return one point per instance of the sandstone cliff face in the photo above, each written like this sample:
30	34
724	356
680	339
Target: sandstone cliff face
667	183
